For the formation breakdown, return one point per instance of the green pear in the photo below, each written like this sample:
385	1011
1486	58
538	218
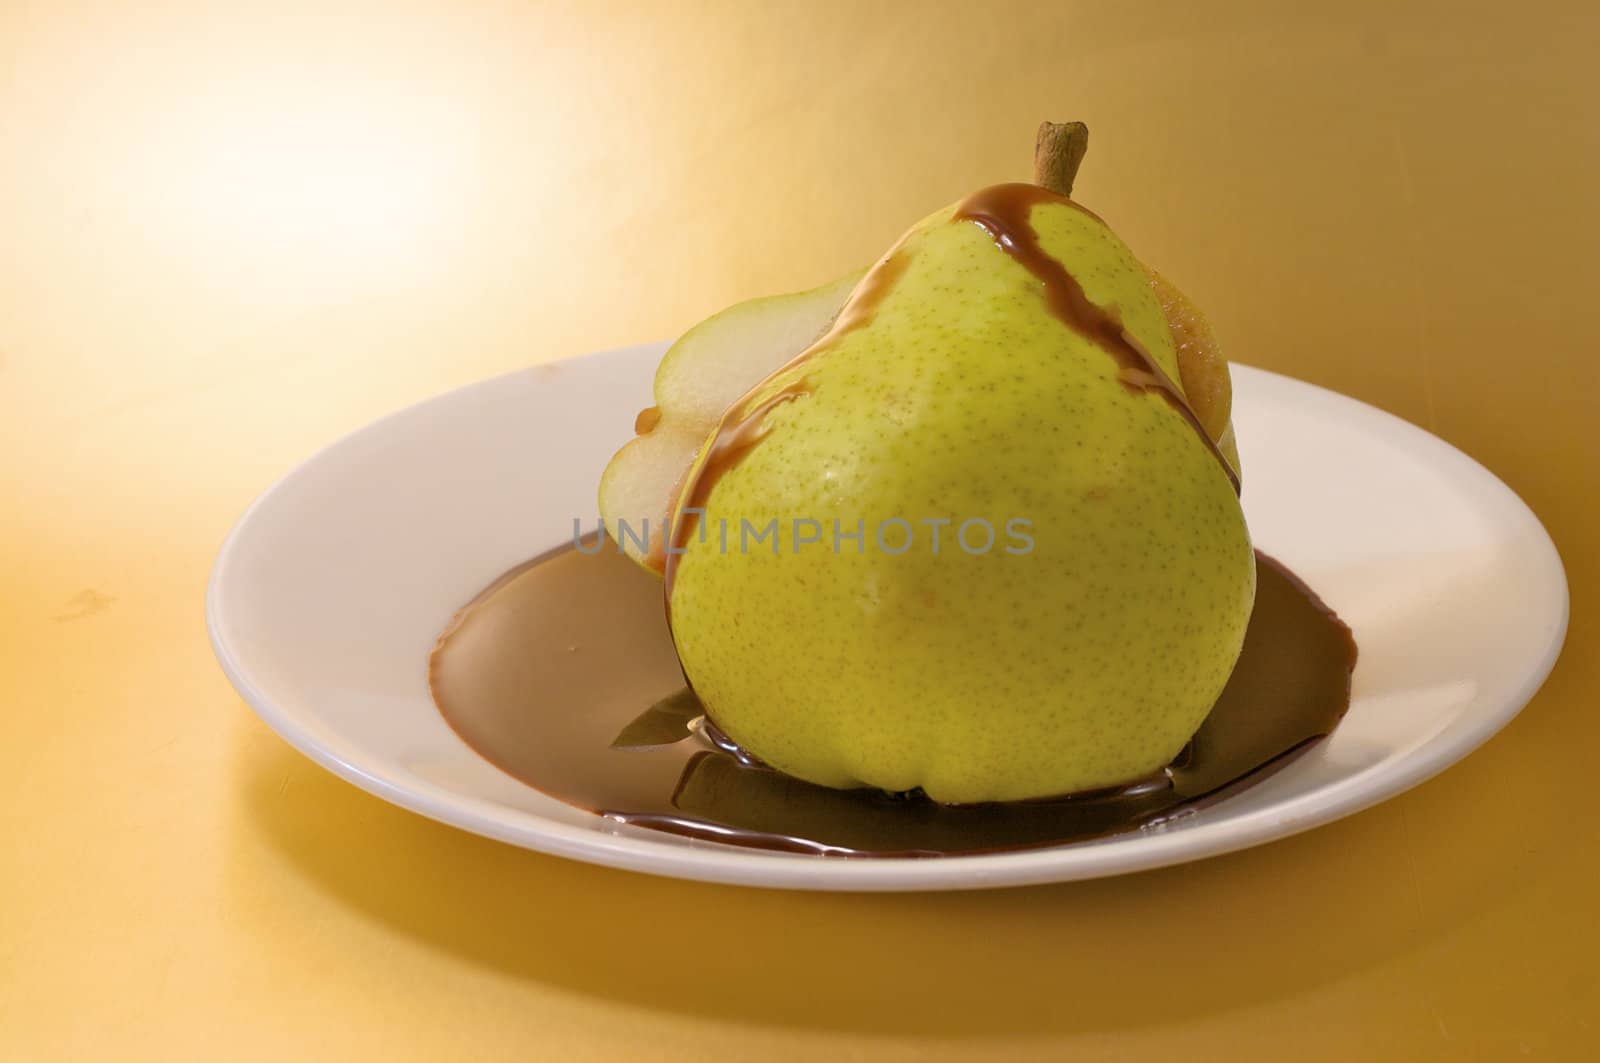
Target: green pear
1073	618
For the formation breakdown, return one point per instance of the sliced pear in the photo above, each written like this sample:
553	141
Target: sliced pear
1206	383
700	376
852	668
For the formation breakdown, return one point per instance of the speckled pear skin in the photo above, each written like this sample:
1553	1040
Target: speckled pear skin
1086	662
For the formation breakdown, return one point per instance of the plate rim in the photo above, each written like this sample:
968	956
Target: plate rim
712	862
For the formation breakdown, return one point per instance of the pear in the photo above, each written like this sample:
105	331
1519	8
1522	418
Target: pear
977	538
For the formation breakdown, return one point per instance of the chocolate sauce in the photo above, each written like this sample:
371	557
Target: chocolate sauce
1003	212
543	670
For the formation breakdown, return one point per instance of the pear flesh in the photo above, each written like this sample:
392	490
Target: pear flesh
947	396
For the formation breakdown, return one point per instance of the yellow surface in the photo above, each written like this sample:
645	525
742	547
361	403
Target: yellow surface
226	239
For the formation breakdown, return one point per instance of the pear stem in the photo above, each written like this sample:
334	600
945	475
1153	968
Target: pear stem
1057	153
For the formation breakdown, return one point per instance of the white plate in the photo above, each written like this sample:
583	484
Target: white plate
328	593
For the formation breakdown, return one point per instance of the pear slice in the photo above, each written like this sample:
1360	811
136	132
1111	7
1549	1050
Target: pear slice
700	376
1203	369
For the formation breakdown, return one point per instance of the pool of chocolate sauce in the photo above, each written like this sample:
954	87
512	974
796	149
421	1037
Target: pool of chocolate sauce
544	669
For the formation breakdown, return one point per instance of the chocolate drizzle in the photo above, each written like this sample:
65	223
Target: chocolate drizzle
543	670
1003	212
734	439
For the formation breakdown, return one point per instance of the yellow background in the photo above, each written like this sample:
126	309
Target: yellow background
228	238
